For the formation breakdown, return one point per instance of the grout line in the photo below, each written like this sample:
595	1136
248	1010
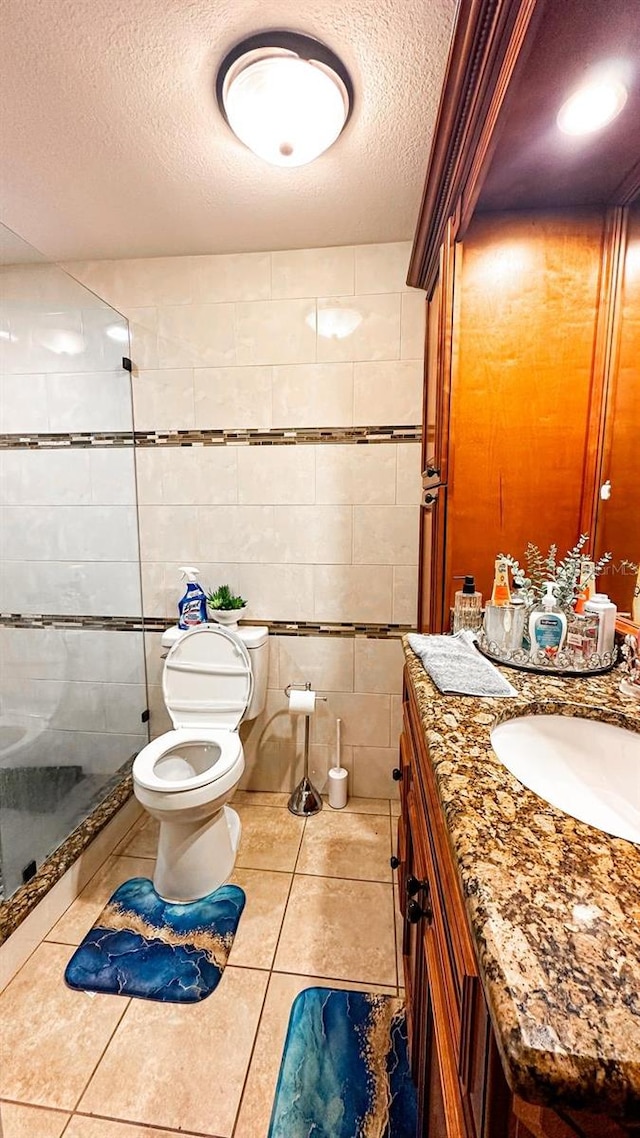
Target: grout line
266	990
337	979
354	880
103	1052
135	1122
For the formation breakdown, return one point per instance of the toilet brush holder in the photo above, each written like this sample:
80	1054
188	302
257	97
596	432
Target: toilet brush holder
305	800
338	776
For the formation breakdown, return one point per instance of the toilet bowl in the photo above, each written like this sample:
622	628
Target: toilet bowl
212	679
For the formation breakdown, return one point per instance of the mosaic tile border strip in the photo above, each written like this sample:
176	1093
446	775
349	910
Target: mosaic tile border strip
279	436
18	906
345	629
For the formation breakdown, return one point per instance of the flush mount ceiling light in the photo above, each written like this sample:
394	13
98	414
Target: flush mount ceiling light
285	95
592	106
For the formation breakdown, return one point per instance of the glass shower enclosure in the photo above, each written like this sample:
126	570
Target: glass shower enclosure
72	674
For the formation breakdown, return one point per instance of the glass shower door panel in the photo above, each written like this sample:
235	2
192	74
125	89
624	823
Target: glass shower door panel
72	674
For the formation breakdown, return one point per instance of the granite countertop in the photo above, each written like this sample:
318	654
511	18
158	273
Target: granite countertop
553	904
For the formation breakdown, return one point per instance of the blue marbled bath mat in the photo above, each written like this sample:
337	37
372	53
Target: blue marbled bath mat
144	946
345	1069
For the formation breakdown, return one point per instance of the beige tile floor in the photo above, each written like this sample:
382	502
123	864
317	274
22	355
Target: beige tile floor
320	911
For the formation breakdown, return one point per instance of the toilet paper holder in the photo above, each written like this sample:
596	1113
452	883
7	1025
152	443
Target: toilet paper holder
303	687
305	800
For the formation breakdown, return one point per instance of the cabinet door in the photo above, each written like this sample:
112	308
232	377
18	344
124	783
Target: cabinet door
521	387
440	1107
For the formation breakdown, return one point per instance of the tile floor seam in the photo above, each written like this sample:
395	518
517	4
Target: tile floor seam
251	1054
340	877
273	958
363	984
102	1053
139	1125
343	877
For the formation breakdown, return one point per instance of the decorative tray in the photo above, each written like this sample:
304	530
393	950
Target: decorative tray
563	664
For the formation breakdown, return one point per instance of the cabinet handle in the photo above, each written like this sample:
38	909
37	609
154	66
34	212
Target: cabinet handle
416	912
429	499
394	861
414	885
431	472
396	774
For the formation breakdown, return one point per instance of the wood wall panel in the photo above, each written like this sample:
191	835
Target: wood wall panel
521	385
619	518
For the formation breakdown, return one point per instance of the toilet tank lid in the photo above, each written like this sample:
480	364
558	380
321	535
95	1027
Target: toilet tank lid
170	635
253	635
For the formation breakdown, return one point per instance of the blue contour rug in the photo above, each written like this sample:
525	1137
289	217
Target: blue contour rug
345	1069
144	946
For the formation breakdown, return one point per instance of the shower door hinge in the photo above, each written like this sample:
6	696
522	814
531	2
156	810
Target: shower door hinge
126	363
144	718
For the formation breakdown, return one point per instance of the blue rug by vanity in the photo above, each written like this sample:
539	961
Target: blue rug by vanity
144	946
345	1069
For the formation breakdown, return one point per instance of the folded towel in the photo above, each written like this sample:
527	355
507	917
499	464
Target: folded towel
456	667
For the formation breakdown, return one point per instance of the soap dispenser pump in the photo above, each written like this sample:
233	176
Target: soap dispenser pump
467	608
547	624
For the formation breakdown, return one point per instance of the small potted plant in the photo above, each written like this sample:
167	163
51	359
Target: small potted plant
226	607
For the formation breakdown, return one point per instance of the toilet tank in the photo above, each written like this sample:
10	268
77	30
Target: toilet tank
256	641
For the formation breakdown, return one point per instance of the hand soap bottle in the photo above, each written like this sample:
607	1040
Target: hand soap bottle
192	607
547	625
467	608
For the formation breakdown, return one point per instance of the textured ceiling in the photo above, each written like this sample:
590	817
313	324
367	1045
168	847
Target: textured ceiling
113	145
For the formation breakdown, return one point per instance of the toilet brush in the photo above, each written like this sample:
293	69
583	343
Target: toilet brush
338	776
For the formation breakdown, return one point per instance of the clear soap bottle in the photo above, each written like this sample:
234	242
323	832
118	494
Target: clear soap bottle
467	607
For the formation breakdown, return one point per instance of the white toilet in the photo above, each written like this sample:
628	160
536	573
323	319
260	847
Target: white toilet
212	679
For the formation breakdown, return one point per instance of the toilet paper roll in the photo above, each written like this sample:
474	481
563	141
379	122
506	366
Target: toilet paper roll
302	702
338	787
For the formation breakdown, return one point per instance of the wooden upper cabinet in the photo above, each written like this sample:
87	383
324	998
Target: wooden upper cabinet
521	389
525	247
618	516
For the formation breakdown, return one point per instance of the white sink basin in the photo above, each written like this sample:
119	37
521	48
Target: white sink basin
587	768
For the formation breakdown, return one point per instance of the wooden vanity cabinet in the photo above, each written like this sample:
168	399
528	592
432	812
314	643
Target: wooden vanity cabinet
462	1092
462	1088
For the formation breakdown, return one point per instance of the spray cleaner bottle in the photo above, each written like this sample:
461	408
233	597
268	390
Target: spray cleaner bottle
192	607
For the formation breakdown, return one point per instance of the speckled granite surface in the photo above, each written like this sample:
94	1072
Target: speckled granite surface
554	904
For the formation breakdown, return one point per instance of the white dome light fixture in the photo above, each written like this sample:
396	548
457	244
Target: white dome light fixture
593	106
286	96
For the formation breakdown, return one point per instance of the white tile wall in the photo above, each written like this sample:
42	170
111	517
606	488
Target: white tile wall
233	397
264	510
303	338
356	676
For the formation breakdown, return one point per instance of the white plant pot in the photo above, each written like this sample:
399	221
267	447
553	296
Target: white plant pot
228	617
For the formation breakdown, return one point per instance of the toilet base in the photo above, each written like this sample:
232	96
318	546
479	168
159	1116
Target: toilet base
196	857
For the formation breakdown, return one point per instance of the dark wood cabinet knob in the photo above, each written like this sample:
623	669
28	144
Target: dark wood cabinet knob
416	912
414	885
394	861
396	774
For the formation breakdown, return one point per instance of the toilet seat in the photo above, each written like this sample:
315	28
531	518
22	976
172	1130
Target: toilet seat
204	660
227	744
207	660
